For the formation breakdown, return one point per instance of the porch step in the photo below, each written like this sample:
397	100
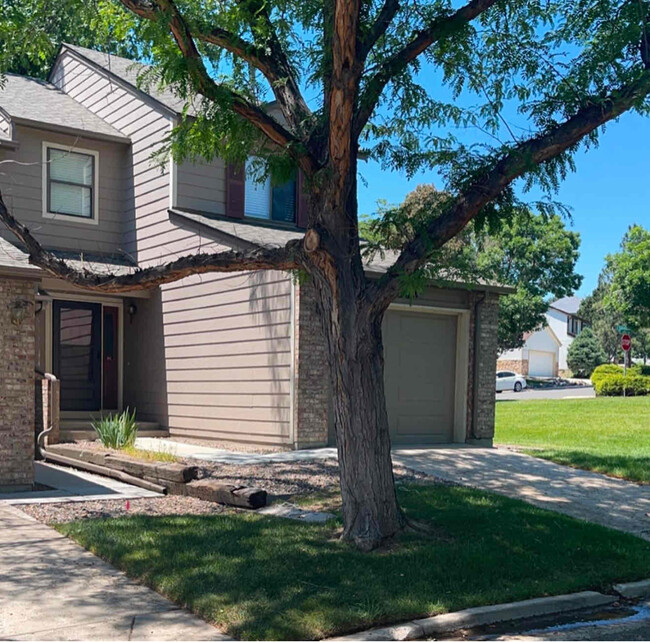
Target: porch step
82	430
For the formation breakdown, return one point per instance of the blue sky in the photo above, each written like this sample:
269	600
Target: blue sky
609	191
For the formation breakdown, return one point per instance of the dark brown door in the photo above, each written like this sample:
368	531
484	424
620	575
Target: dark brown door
110	357
77	354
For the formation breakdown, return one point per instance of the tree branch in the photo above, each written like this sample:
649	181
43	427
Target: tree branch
422	40
514	164
284	258
379	27
206	86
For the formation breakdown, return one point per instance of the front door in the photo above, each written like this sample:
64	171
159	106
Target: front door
77	354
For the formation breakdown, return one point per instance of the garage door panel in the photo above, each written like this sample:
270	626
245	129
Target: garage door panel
420	360
541	364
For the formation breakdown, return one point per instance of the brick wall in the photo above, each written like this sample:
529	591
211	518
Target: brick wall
520	366
311	391
480	425
16	384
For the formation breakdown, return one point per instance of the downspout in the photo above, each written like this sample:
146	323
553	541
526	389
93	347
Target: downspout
475	366
47	431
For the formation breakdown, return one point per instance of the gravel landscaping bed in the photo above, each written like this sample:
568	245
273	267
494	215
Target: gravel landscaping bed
279	479
167	505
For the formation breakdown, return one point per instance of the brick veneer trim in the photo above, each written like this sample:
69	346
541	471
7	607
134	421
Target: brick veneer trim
17	383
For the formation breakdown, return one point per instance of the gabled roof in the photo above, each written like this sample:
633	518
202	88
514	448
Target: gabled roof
129	72
568	304
30	101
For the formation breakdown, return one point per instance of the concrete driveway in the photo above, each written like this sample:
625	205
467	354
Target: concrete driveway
596	498
52	589
577	392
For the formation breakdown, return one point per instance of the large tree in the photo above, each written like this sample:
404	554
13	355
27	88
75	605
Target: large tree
405	81
534	253
31	32
622	296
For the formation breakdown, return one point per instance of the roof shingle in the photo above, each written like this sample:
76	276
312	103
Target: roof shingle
30	100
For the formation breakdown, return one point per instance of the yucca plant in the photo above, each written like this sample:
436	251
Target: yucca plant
118	430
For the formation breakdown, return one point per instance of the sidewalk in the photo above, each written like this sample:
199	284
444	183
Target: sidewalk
52	589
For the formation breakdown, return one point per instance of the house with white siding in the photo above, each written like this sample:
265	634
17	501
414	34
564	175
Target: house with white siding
231	358
544	352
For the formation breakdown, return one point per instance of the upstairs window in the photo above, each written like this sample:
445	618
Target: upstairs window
574	326
271	203
70	178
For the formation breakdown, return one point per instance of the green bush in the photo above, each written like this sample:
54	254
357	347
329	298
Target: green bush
615	385
604	371
117	431
585	354
640	369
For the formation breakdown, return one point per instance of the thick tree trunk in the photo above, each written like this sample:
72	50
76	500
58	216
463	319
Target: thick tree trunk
353	335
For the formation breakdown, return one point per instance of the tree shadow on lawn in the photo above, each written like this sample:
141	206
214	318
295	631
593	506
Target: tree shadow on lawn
268	578
630	467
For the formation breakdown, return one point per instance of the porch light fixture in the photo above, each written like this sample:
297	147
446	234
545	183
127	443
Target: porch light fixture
132	310
18	311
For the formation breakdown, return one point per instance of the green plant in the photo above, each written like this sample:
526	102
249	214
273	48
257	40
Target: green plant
585	354
117	430
165	455
605	370
616	385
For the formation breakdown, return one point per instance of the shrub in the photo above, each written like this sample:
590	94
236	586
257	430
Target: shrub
585	354
605	370
117	431
615	385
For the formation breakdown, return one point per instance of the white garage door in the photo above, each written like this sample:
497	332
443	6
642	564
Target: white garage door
420	373
540	364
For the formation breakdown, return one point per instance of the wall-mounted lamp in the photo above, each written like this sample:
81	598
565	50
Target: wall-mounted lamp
132	310
18	310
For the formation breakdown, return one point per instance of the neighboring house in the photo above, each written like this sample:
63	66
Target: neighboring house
234	358
562	317
544	353
538	357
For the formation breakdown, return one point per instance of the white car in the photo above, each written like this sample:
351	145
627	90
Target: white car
507	380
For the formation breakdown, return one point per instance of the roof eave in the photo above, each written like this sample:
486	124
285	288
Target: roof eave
61	129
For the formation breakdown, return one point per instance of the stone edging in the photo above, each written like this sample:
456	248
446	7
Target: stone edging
483	615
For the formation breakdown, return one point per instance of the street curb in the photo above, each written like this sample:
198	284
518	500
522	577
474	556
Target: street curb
632	590
482	615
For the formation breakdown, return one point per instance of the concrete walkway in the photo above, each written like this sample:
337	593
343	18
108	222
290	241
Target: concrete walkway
596	498
71	485
52	589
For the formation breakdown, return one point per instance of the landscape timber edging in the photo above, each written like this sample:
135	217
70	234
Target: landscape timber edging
168	477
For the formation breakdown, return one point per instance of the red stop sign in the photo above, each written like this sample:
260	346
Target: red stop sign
626	342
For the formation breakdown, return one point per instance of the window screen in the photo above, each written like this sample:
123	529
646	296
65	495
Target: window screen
70	183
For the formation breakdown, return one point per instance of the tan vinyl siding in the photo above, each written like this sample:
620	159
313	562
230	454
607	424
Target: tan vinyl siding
201	186
147	195
22	188
217	363
208	356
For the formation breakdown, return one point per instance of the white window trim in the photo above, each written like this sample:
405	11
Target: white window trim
71	218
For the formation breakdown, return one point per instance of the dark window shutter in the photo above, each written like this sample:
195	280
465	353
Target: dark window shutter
302	208
235	190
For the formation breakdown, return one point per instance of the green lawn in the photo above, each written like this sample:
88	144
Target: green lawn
268	578
610	435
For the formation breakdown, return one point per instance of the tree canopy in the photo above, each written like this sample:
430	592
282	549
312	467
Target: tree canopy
534	253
